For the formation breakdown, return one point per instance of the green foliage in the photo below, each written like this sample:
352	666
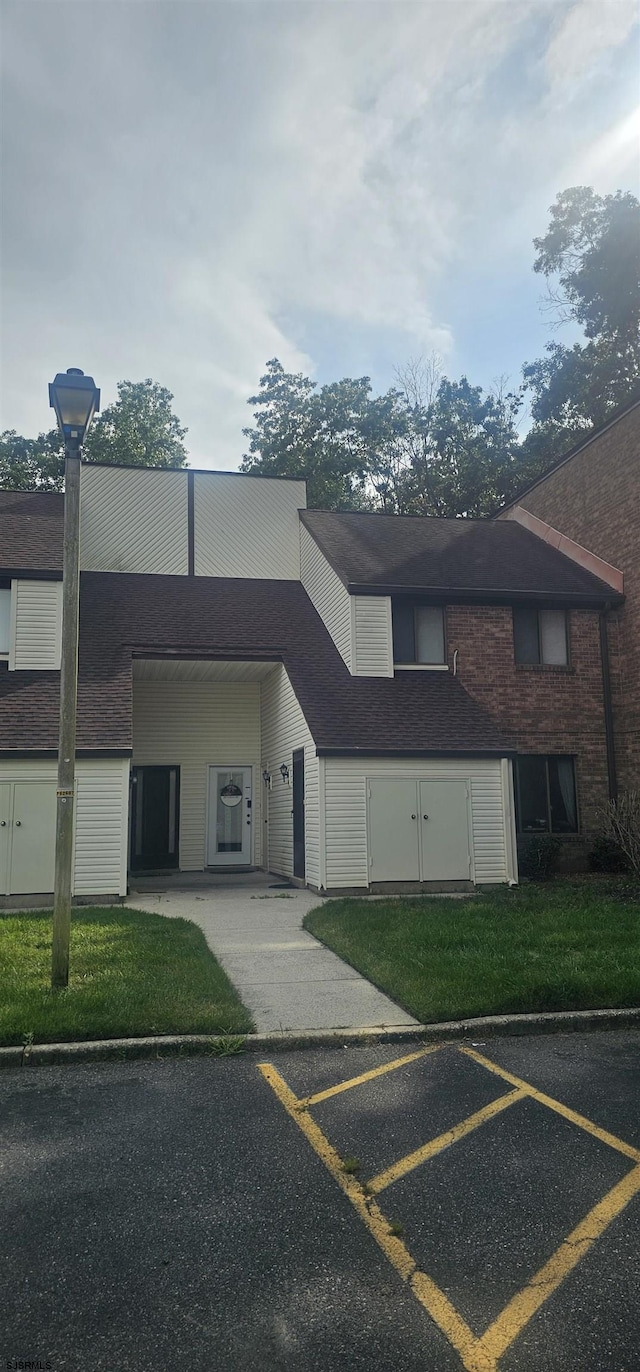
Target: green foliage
328	437
29	464
537	856
132	973
431	446
590	257
607	856
565	946
464	462
139	429
592	245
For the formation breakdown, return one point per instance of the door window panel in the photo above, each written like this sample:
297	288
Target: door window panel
229	812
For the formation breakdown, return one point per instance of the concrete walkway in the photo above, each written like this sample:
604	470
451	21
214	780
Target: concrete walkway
283	975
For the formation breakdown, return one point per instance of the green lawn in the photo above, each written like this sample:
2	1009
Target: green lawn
132	973
562	946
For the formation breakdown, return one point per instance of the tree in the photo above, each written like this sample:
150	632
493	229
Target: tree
28	464
465	451
590	257
427	446
592	245
139	429
330	437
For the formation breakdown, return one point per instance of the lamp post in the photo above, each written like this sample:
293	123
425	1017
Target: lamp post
75	399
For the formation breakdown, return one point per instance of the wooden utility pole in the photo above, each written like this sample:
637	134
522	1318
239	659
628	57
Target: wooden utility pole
65	802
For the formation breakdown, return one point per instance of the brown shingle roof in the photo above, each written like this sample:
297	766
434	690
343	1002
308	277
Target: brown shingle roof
122	615
31	531
447	556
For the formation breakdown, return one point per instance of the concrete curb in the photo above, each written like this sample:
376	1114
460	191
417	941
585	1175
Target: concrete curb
190	1045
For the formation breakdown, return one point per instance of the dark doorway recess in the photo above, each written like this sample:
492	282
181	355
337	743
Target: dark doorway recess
155	814
298	813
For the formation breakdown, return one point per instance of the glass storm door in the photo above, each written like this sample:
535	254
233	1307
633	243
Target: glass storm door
155	818
229	837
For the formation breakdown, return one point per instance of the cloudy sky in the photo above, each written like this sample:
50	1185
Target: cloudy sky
193	187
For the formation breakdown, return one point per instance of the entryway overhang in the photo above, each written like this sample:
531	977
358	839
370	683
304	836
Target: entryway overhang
197	790
200	669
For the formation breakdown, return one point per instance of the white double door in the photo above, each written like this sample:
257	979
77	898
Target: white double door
230	822
418	830
27	837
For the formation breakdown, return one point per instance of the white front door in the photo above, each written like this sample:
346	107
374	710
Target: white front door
230	827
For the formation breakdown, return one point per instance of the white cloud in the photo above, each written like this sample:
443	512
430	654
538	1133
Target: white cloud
218	182
588	33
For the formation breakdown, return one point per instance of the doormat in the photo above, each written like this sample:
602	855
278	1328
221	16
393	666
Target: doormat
282	886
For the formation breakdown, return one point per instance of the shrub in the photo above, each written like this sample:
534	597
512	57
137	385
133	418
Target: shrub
622	826
607	856
538	855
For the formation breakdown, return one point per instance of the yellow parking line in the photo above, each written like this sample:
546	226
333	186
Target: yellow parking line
476	1354
429	1150
560	1109
367	1076
519	1311
473	1356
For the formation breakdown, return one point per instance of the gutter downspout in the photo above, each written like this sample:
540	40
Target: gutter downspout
608	711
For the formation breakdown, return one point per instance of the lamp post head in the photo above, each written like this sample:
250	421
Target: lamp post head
75	399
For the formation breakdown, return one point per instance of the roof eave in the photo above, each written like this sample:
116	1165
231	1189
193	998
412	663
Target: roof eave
491	596
566	457
372	751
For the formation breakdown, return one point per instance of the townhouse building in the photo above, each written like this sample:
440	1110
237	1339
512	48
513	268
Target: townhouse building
359	702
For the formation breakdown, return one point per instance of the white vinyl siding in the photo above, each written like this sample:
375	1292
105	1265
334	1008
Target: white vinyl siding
247	526
345	791
133	520
373	639
36	626
101	825
193	725
327	593
285	729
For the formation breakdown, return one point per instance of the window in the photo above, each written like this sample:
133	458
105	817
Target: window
540	636
546	795
418	634
5	618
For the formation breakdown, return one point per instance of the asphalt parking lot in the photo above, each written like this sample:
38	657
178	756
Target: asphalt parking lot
474	1207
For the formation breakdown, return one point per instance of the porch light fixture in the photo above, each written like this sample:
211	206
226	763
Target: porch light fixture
284	772
266	777
75	399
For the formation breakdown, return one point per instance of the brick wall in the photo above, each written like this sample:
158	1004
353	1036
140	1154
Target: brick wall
594	497
544	709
